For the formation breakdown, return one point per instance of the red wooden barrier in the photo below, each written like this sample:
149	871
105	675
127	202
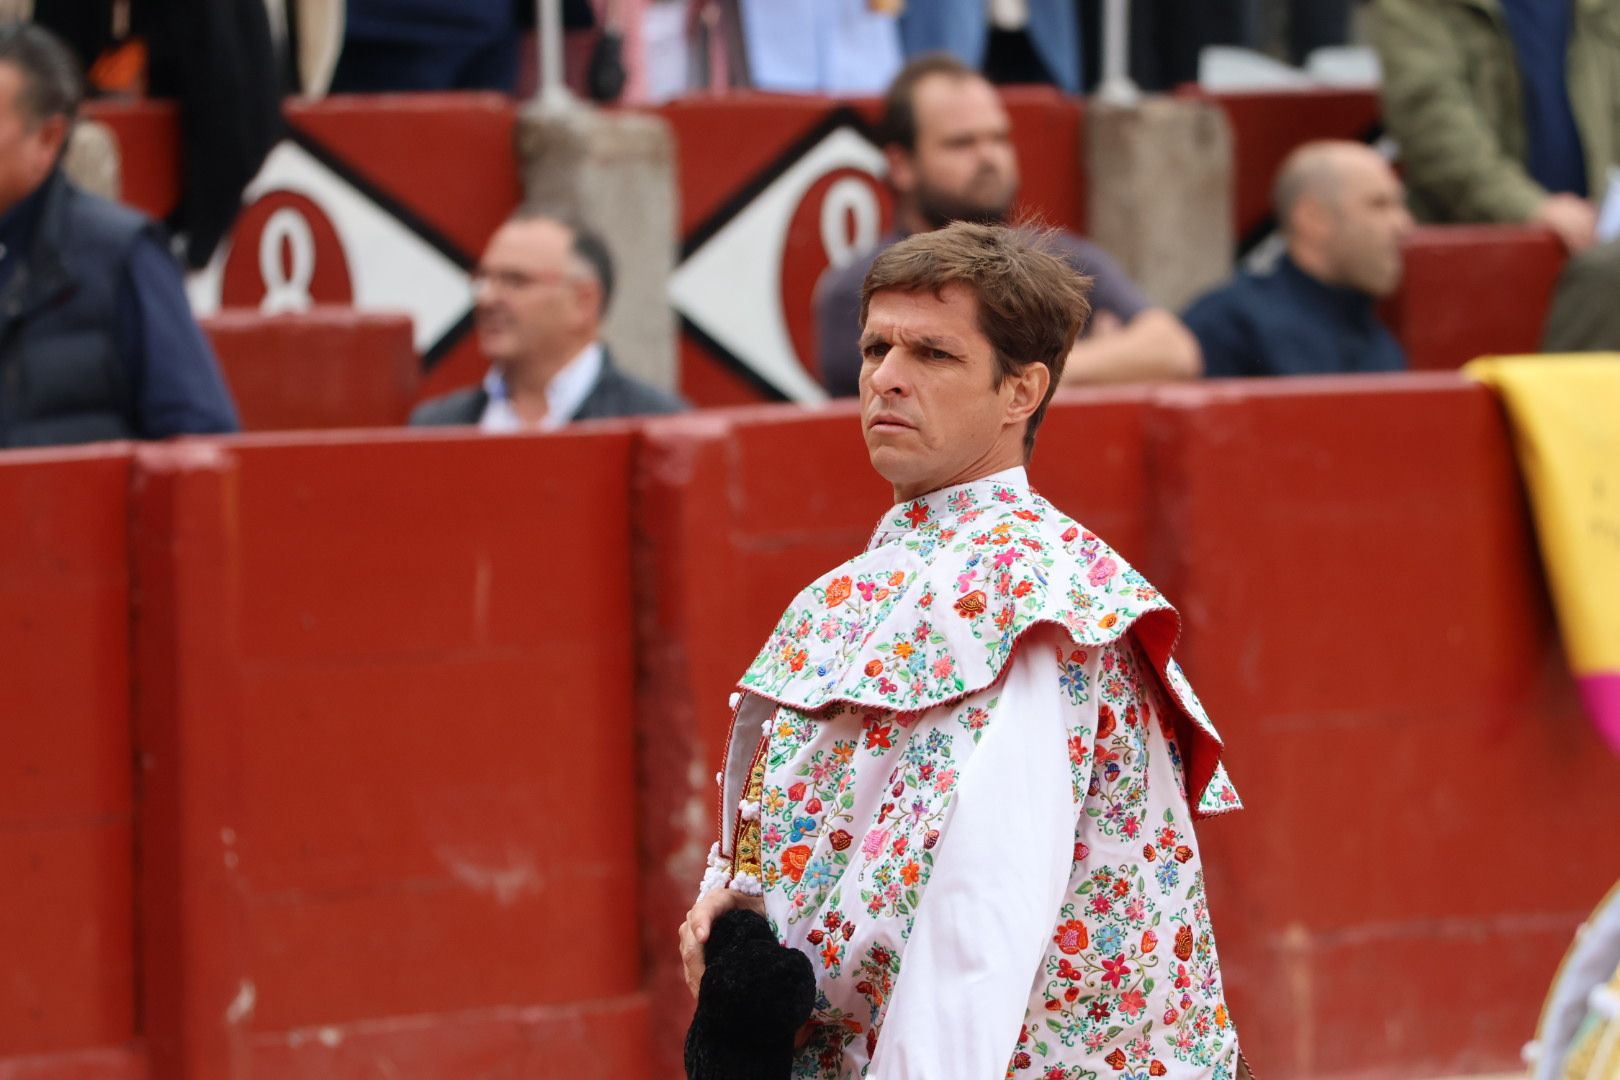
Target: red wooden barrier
1366	622
67	1002
388	795
383	711
1266	127
1474	290
329	367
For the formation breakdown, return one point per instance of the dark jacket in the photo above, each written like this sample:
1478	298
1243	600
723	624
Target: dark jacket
615	394
62	379
97	340
216	58
1285	322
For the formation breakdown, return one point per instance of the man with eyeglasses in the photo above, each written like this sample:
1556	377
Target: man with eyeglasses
543	286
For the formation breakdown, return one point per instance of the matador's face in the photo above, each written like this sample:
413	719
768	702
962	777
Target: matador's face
931	411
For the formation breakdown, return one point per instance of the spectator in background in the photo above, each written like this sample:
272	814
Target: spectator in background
1010	41
949	147
543	286
217	60
97	340
820	46
1509	111
1343	214
394	45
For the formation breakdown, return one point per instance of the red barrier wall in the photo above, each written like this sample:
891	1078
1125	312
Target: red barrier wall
388	791
1474	290
328	367
1365	620
391	767
67	961
1266	127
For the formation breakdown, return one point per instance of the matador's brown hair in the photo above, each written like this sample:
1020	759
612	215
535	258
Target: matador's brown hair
1032	304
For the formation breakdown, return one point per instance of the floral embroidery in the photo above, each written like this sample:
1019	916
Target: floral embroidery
872	633
885	678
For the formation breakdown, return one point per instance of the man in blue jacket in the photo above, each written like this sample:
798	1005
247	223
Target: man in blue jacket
97	340
1344	215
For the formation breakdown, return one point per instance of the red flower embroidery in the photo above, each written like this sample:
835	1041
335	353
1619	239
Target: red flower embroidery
838	591
793	860
1114	971
971	605
1071	937
874	668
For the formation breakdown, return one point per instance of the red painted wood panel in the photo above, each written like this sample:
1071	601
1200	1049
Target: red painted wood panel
1366	622
329	367
384	686
1473	290
66	795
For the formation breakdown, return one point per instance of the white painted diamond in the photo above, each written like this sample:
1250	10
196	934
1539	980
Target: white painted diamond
731	287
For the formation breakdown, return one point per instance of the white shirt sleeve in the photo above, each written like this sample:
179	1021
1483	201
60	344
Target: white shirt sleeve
988	912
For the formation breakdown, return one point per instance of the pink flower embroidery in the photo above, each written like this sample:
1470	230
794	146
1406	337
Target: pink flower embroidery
1103	569
874	843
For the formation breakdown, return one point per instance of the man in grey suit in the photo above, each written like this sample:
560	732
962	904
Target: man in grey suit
543	286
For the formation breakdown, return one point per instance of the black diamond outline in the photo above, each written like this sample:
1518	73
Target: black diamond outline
734	204
410	219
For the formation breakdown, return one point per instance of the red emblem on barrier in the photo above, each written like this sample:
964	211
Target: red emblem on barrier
285	255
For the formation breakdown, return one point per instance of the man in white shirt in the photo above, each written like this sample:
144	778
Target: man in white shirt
543	287
962	773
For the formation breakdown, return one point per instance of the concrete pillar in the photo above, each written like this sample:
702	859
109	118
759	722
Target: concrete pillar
616	171
93	161
1159	183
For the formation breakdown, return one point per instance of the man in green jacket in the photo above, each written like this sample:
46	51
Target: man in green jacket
1509	111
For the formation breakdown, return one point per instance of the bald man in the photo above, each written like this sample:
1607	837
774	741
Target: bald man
1343	213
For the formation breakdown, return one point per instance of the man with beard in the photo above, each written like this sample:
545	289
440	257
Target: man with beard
949	147
1344	215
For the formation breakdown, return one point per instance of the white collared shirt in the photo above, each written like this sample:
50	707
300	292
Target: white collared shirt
565	393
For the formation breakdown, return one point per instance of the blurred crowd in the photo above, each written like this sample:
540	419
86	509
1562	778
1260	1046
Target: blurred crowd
1499	111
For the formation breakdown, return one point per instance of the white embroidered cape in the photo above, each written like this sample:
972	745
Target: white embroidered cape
963	773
